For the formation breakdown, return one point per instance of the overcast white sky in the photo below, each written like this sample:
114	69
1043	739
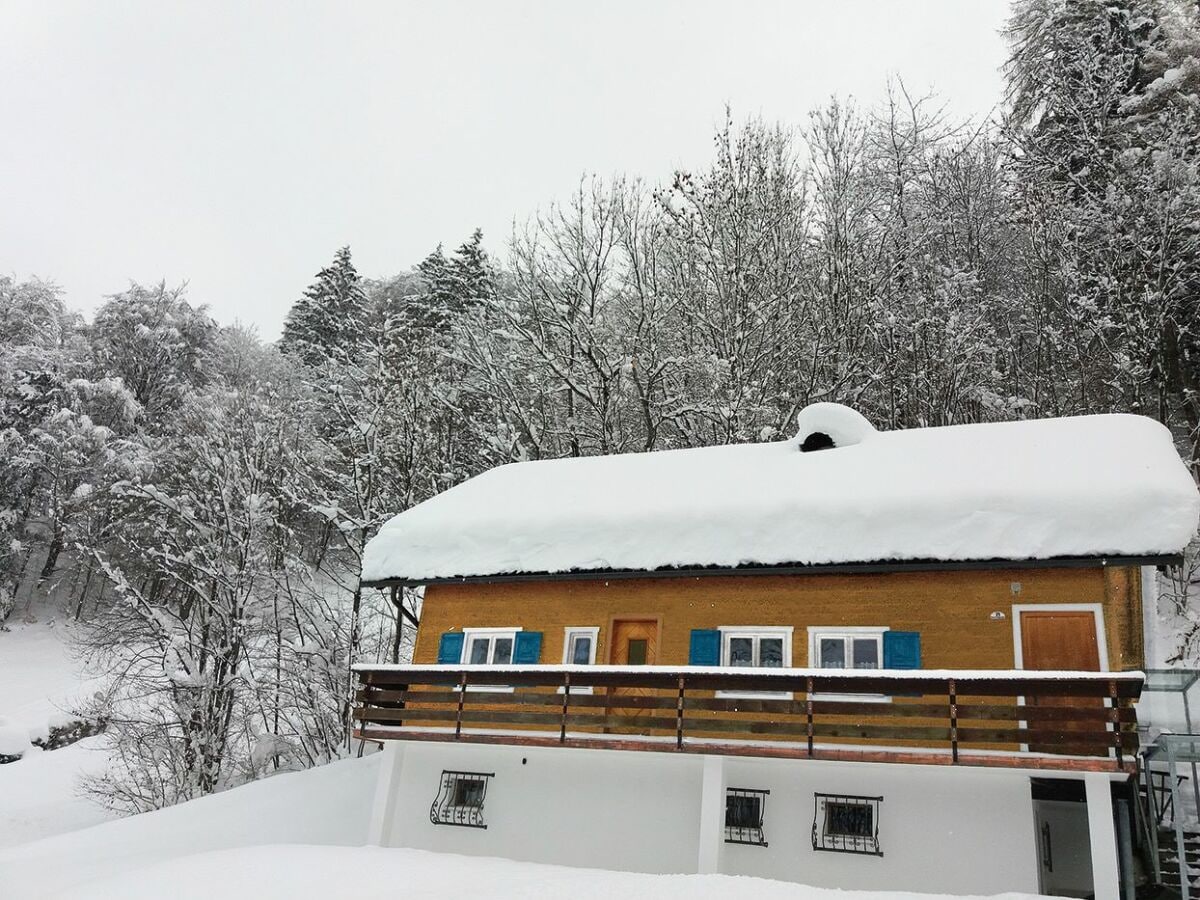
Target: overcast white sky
237	145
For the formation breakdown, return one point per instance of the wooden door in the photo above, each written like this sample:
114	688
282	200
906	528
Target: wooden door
634	643
1063	640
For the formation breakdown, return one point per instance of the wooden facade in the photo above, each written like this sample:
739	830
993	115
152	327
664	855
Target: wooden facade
965	617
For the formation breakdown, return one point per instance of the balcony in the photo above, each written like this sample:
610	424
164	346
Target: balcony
1065	721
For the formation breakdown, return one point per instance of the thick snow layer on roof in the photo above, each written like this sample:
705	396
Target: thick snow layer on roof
1110	485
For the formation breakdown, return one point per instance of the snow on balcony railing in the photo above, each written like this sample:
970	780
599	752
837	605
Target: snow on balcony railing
1030	719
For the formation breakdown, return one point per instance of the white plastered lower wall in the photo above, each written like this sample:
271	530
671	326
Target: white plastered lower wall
941	829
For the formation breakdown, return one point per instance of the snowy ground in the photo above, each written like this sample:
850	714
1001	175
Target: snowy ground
39	795
301	835
368	872
327	806
39	684
39	681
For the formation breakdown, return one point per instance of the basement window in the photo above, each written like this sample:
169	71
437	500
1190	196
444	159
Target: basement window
744	809
845	823
460	799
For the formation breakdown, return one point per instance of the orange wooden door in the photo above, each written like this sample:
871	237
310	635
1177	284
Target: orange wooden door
1065	641
634	643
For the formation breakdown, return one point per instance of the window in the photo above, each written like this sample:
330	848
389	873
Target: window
579	649
744	816
460	799
857	648
489	646
757	650
756	646
847	647
846	824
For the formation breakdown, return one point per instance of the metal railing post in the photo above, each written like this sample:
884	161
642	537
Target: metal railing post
1185	885
562	731
462	696
808	710
1115	716
953	695
679	717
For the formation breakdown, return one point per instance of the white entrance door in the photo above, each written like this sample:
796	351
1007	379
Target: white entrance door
1064	848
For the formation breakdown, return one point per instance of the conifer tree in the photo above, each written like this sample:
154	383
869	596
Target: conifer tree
455	284
471	273
328	321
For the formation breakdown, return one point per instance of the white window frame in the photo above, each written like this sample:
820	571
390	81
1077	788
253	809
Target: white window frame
729	632
569	632
816	632
469	636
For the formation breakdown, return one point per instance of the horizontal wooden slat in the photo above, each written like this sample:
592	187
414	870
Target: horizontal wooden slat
1040	736
1041	713
884	732
1034	761
372	714
867	708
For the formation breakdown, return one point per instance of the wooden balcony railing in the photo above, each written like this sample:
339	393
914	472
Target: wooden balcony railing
1014	719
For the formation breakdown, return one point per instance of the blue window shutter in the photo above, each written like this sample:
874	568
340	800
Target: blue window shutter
901	650
450	648
528	648
705	647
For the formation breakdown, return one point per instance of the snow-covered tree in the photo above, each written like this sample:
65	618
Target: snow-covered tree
156	342
327	321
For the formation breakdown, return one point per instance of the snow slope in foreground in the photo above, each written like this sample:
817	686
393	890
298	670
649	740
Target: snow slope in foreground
329	805
299	836
263	873
40	796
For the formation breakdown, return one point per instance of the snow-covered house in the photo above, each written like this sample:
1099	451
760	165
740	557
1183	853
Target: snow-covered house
859	659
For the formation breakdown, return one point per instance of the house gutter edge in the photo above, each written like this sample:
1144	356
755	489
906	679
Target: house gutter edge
876	568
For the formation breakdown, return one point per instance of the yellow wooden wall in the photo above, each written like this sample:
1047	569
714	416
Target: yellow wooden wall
951	609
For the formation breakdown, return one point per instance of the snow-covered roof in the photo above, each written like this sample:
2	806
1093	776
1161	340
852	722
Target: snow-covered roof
1089	486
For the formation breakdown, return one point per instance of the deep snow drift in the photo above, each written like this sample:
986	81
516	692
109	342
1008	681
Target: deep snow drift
329	805
1037	489
366	873
40	796
294	836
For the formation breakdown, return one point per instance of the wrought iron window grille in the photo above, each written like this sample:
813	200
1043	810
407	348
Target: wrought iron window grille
744	809
845	823
460	799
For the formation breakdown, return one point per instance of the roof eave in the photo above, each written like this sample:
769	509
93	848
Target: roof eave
864	568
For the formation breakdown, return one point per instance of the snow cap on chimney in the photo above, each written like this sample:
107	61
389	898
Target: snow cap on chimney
820	426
